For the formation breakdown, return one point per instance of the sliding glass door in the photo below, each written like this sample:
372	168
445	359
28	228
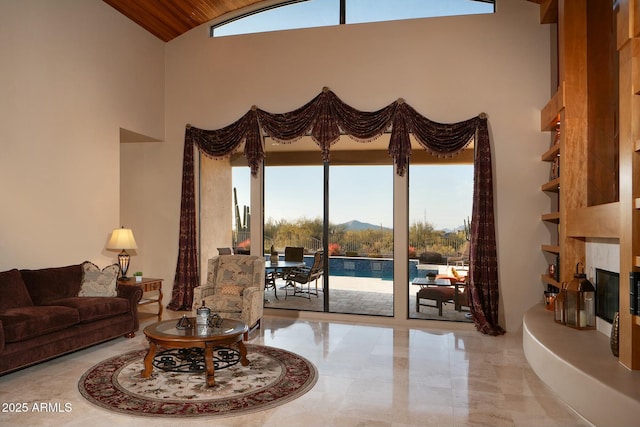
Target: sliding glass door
361	239
440	203
350	208
293	217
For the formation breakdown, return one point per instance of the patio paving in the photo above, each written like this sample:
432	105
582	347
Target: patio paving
359	295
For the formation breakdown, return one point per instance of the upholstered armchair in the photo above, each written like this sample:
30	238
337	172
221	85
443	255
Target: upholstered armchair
234	288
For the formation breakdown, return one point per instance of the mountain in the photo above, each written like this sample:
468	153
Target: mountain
455	230
355	225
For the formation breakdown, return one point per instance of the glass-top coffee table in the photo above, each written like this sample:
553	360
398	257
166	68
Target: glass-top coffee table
193	344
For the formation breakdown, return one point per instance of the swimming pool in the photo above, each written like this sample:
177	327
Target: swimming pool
381	268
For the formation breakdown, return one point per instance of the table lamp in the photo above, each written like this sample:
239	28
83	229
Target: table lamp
122	239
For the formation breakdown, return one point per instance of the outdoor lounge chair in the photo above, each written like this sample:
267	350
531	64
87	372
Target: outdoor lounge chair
440	295
304	276
461	298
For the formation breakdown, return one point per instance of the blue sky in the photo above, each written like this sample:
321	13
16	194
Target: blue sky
317	13
439	195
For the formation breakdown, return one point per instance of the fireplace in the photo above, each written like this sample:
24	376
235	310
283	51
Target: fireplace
607	294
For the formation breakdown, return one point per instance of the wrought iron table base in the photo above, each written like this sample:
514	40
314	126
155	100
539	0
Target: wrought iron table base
191	360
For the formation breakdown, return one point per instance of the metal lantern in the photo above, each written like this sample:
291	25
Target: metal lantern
580	302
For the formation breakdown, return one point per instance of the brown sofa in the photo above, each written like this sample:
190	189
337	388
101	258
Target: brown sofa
42	316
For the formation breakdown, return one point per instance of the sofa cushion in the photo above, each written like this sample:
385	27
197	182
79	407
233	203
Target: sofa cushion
13	291
49	284
99	283
225	304
22	323
94	308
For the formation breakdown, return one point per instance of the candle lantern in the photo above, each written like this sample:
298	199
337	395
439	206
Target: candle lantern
580	302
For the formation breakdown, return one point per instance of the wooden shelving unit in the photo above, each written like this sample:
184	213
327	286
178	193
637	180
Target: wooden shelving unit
628	45
581	105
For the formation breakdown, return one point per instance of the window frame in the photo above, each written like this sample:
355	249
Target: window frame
342	15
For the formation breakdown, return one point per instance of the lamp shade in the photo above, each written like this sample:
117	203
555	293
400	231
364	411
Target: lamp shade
122	238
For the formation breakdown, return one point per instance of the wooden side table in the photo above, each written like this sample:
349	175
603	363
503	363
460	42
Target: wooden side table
148	285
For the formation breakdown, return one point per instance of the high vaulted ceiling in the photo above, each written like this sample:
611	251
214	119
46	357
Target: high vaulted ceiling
167	19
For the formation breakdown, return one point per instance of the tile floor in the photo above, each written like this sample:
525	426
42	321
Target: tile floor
372	376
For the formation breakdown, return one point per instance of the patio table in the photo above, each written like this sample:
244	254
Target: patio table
282	266
424	282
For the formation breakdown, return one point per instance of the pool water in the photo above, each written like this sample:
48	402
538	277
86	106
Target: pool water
381	268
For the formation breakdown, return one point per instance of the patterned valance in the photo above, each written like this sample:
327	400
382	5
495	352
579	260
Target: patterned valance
325	118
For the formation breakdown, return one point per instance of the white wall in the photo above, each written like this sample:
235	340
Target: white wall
73	72
449	69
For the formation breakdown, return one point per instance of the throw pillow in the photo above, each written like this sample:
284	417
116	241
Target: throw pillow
230	290
99	283
13	291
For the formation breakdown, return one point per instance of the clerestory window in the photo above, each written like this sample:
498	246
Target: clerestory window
321	13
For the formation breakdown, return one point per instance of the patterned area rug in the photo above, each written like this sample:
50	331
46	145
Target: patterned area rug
273	377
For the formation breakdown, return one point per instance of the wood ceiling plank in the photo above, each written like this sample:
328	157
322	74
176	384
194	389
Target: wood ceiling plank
168	19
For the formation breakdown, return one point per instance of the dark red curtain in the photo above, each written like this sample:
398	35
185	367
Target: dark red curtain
187	276
325	118
483	257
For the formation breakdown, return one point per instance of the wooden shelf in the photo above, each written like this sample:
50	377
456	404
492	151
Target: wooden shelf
549	116
552	186
550	281
551	154
554	249
551	217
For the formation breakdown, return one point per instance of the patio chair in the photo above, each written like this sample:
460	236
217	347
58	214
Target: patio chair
292	253
234	289
270	282
304	276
